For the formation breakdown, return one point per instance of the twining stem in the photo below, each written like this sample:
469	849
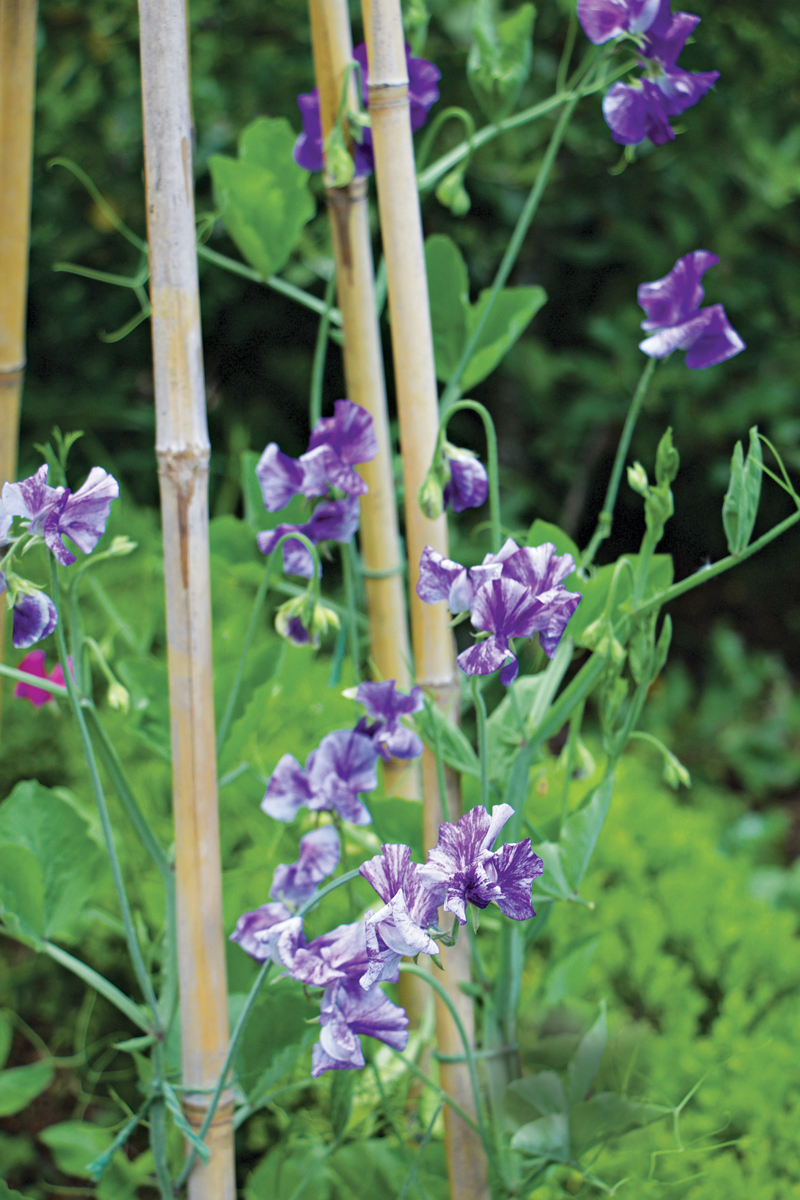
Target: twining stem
105	820
492	461
320	351
273	281
100	984
512	249
606	517
349	568
483	739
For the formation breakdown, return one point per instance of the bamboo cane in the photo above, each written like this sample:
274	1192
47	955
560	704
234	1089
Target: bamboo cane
417	405
182	450
363	365
17	84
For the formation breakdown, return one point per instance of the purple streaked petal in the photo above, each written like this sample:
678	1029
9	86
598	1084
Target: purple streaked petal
470	886
461	844
539	568
288	790
395	741
319	856
347	1011
603	20
334	520
84	515
486	656
666	44
35	617
260	920
324	469
558	610
423	93
468	485
386	872
683	89
6	520
350	433
348	755
31	498
676	297
383	701
509	672
718	341
308	152
280	477
505	606
514	868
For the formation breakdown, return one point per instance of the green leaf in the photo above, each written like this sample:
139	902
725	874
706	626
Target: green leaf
396	820
499	59
20	1085
273	1038
605	1116
73	1144
6	1035
456	750
565	976
740	507
263	195
535	1096
566	860
595	591
6	1193
41	821
453	318
281	1177
546	1138
585	1062
21	892
341	1101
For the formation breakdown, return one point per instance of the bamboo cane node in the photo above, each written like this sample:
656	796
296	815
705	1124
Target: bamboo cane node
182	467
196	1104
388	95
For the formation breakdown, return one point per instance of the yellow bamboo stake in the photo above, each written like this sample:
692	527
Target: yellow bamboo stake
182	450
363	365
17	87
417	405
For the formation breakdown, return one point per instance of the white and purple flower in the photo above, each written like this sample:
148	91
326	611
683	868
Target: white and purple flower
400	927
384	706
347	1011
342	766
319	857
676	321
54	512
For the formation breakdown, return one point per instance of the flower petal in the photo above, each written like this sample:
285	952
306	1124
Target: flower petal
35	617
279	476
288	790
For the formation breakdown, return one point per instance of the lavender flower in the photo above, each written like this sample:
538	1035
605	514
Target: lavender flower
34	664
385	705
340	954
665	90
673	310
399	928
319	856
342	766
6	520
347	1011
258	932
468	485
332	521
35	617
463	863
54	512
422	94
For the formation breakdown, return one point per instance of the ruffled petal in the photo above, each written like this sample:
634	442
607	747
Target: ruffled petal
35	617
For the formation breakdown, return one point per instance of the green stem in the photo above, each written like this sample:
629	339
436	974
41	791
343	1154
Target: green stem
443	1095
575	722
258	604
439	120
349	573
158	1128
483	739
105	820
492	461
576	690
724	564
605	519
566	53
512	249
99	982
320	351
46	685
275	282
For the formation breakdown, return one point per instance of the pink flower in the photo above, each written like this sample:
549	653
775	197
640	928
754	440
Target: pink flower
33	664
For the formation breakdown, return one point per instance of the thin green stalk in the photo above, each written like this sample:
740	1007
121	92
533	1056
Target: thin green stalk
46	685
717	568
605	519
566	53
444	1096
349	573
492	461
320	351
411	1178
483	739
126	1006
105	821
513	247
273	281
441	778
575	722
576	690
158	1129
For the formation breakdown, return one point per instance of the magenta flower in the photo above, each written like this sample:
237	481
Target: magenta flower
639	110
672	305
347	1011
319	857
55	512
385	705
400	927
34	664
342	766
422	94
463	863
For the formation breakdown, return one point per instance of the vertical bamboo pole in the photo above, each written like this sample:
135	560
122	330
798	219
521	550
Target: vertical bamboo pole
17	91
417	405
182	450
363	365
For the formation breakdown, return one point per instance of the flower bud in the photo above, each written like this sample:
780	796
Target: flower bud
339	165
637	479
118	697
431	495
667	460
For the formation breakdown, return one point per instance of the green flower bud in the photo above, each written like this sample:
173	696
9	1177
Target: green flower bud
339	165
431	495
667	459
637	479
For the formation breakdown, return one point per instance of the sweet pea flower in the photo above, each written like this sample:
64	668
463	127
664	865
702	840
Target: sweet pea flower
400	927
34	664
347	1011
676	321
340	954
35	617
642	109
258	932
55	512
422	95
332	521
385	705
319	857
468	485
342	766
463	863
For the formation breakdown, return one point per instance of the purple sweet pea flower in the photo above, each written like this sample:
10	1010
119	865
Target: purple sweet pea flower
603	20
35	617
6	520
385	705
468	485
410	904
333	520
347	1011
54	512
672	308
342	766
319	856
464	864
258	932
441	578
32	499
340	954
422	95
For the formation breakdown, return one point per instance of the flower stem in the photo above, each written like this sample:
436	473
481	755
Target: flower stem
105	820
126	1006
320	351
483	739
605	519
492	462
258	604
349	572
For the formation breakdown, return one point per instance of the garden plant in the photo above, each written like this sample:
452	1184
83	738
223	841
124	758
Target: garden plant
405	763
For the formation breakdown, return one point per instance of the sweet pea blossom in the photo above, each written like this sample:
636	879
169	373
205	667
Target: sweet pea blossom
410	905
422	95
55	512
35	617
342	766
385	705
259	932
468	485
642	109
470	872
347	1011
332	521
319	857
676	321
340	954
34	664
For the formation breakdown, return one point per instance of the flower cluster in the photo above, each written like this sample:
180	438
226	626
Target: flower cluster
422	95
676	321
50	514
344	764
351	961
643	109
515	593
336	444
